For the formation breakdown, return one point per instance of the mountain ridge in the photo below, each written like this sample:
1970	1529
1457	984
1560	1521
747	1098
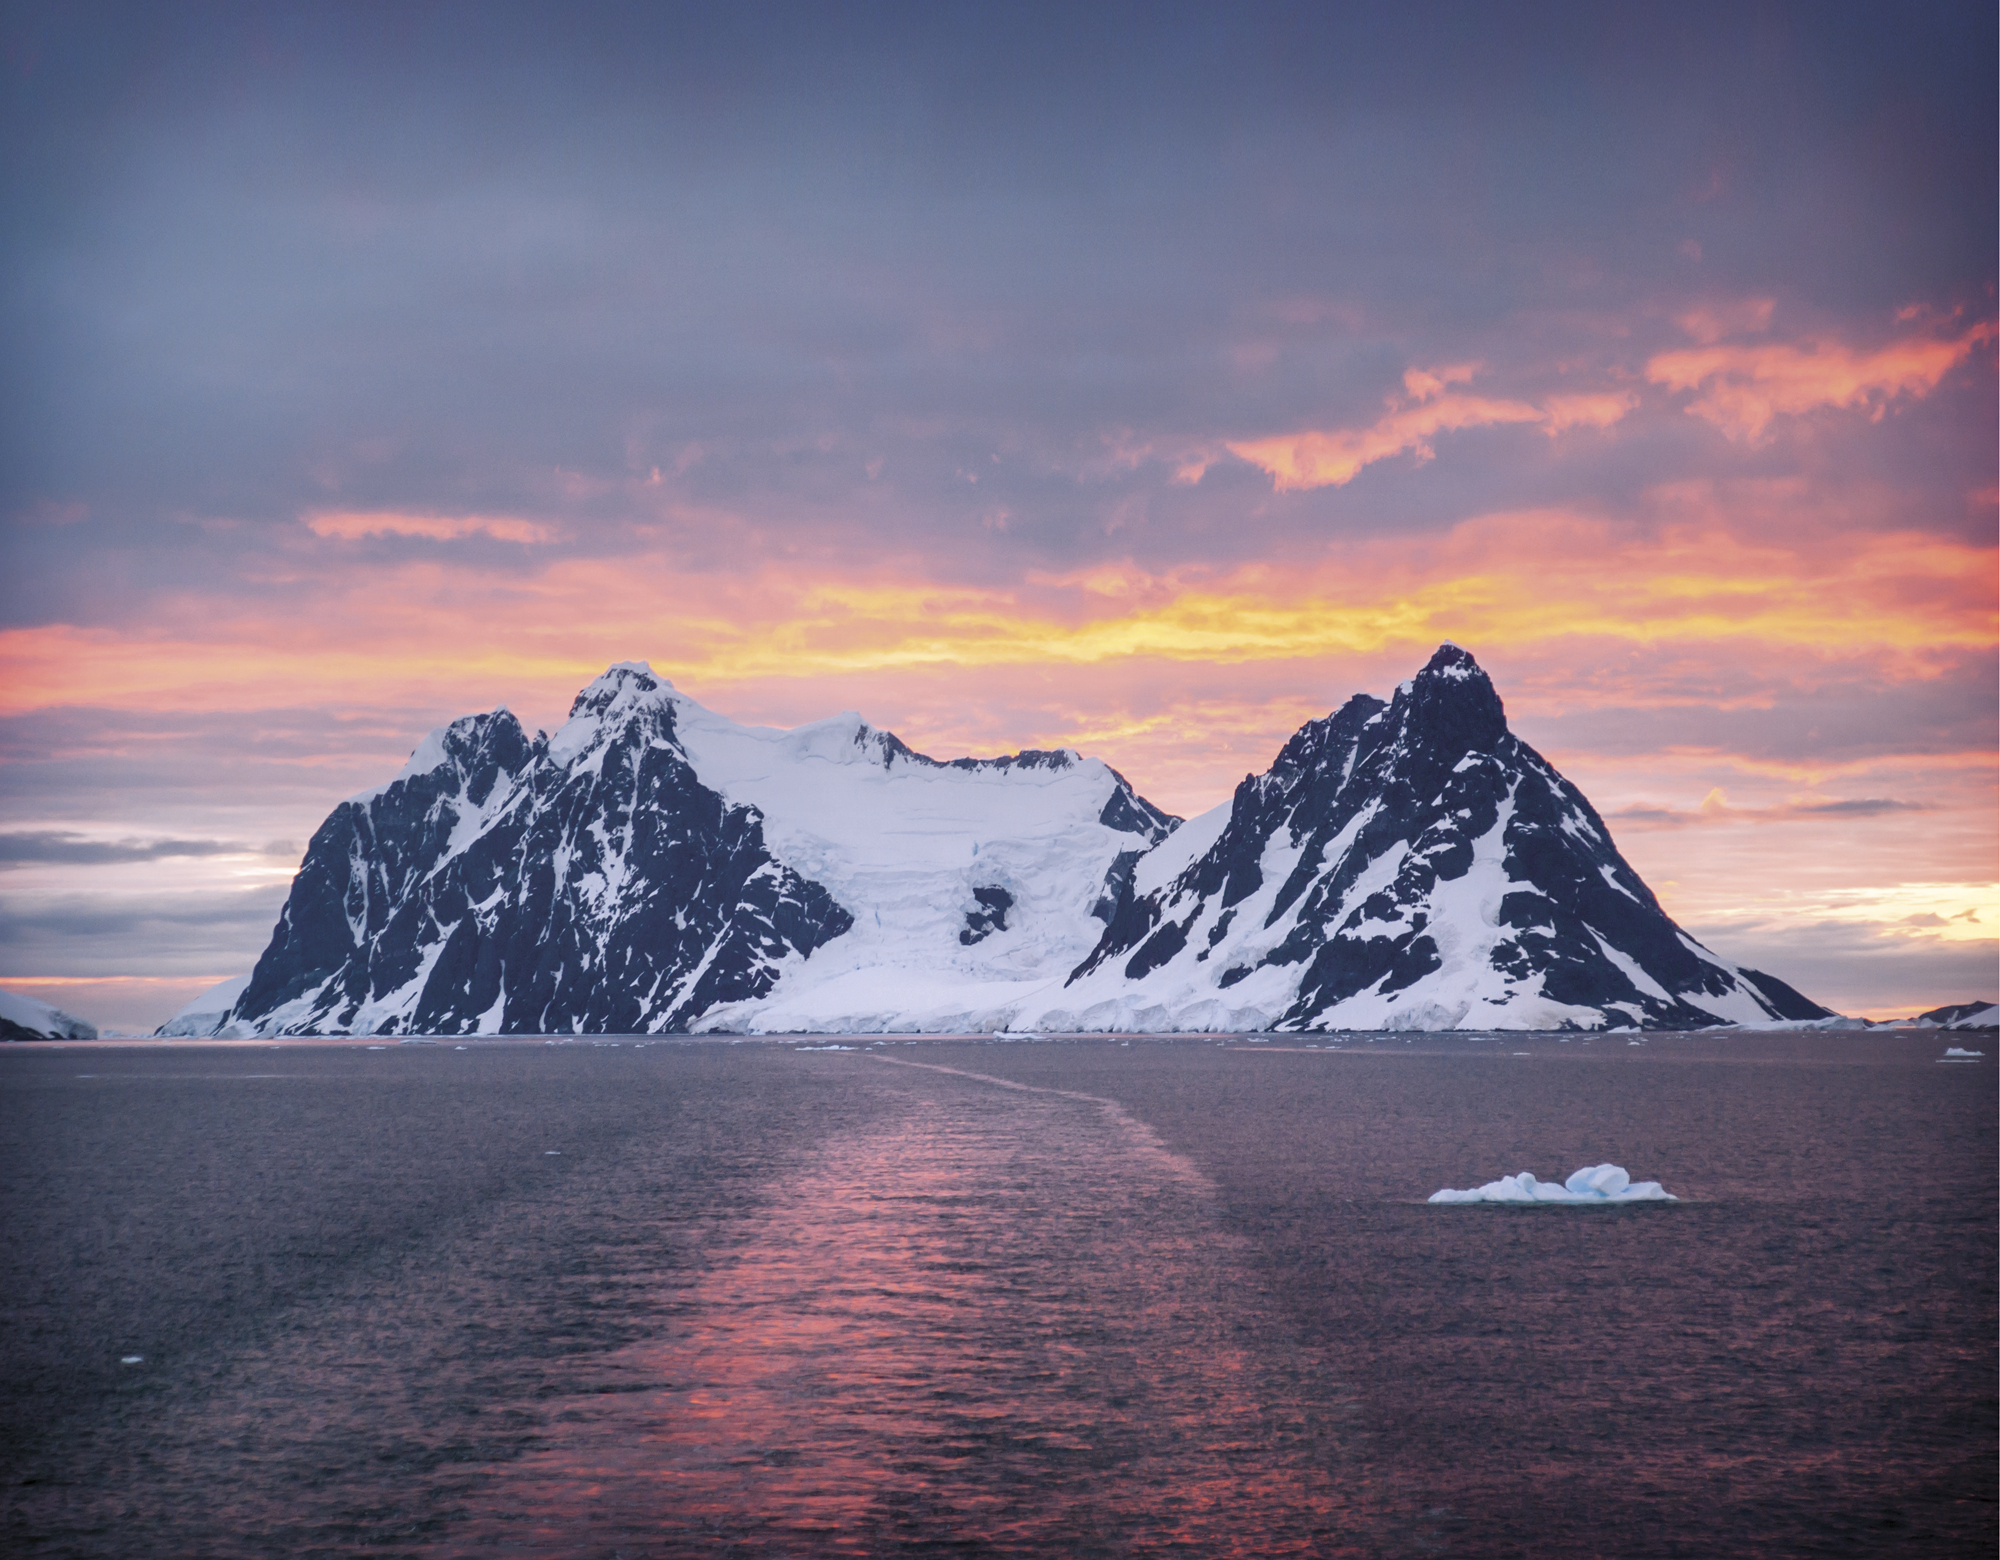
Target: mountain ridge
653	866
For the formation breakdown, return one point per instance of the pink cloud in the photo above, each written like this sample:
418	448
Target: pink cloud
1742	388
1333	457
1710	322
354	526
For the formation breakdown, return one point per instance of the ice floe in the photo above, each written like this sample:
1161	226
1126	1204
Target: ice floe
1592	1185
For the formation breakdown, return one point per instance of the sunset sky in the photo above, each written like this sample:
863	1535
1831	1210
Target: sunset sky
1140	380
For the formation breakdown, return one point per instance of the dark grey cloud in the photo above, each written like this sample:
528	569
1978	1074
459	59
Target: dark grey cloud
1865	807
60	847
1845	966
1764	709
97	917
75	763
267	258
198	932
1673	818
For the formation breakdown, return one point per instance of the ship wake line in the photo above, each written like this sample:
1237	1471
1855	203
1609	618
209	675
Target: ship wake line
653	867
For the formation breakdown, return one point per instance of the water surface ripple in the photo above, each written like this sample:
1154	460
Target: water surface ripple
997	1318
999	1300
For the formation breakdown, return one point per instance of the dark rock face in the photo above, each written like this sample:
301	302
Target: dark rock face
505	892
988	918
1431	853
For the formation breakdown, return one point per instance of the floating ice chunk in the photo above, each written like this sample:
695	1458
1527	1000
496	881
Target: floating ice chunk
1592	1185
1954	1050
551	1153
1598	1181
131	1359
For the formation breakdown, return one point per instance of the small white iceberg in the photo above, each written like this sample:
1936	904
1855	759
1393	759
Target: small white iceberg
1594	1185
1957	1053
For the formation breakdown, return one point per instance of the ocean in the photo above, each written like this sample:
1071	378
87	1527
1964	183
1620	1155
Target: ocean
976	1298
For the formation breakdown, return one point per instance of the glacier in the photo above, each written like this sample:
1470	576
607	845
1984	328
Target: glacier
24	1018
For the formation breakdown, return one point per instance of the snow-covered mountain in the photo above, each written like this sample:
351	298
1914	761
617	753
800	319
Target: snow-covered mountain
656	867
23	1018
1411	865
1959	1015
653	866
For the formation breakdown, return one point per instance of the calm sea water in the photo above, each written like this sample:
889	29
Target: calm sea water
989	1299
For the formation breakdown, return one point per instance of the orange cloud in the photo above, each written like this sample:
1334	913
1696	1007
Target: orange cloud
1741	387
1423	383
1585	411
1505	580
354	526
1333	458
1186	680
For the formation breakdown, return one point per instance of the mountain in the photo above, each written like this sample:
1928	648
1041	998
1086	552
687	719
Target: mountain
1960	1015
23	1018
653	865
1411	865
656	867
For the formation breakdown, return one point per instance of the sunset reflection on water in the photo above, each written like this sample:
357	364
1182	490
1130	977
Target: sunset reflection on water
995	1322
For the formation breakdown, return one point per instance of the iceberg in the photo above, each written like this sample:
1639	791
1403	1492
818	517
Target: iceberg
1592	1186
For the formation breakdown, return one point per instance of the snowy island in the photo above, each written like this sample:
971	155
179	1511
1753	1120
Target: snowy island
653	867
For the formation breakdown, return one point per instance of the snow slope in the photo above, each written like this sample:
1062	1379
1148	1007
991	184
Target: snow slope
23	1018
207	1014
919	852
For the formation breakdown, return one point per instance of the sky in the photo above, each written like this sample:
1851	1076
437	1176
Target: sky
1144	380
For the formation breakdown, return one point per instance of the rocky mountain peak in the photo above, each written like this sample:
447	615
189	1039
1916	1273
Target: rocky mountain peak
623	684
1412	865
1451	707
